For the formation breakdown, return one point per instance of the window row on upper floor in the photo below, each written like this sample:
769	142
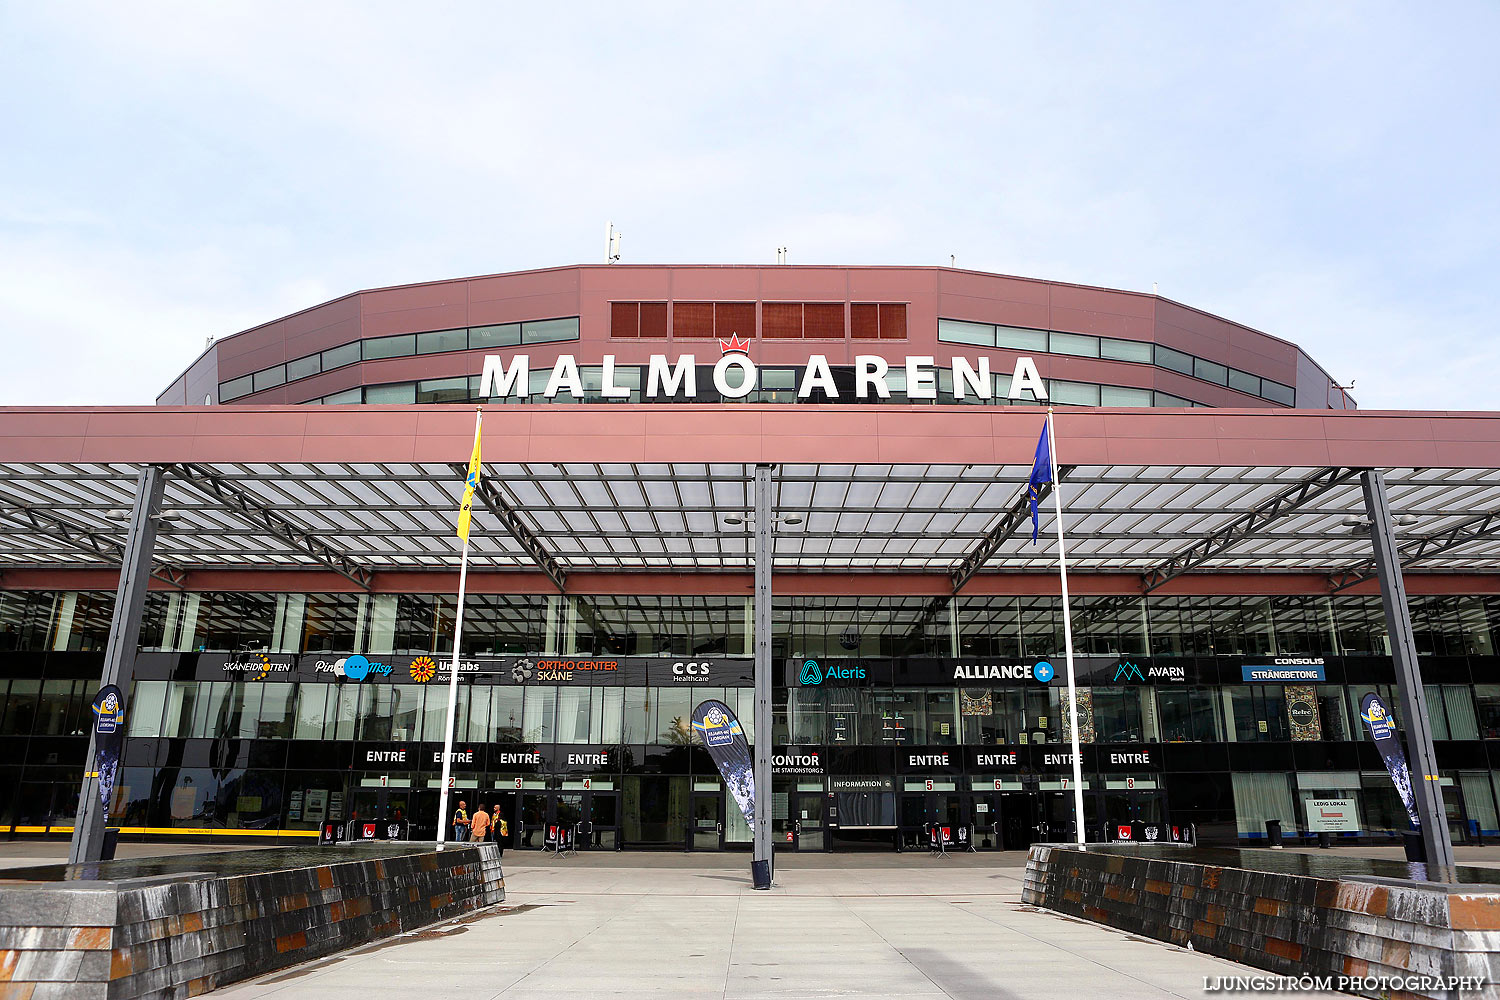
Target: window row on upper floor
402	345
1113	349
776	385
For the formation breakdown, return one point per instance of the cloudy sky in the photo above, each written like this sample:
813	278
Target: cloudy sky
1324	172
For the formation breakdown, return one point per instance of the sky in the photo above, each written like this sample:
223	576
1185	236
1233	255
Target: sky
1325	172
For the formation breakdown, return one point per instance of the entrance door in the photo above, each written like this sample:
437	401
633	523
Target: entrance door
530	832
984	814
603	823
708	821
921	810
1018	820
810	821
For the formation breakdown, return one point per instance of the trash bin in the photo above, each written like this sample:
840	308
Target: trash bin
1412	841
1325	839
1273	833
111	841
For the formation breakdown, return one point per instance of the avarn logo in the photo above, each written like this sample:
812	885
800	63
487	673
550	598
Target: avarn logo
1128	672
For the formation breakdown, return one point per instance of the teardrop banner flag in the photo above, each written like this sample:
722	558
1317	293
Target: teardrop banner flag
109	737
1378	718
725	739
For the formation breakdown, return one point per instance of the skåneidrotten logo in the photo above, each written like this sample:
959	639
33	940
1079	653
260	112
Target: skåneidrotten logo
811	673
423	669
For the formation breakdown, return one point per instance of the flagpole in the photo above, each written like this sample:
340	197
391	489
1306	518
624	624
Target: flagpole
458	631
1062	564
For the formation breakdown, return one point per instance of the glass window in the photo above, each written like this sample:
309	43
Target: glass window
1074	393
390	347
303	367
442	340
507	715
1188	715
1174	360
1021	339
443	390
501	335
1119	395
311	711
1210	372
52	710
538	715
573	714
396	392
1167	399
406	711
954	331
1462	722
235	388
344	354
637	716
147	702
1259	797
275	719
549	330
1277	393
1244	381
608	721
1124	350
778	378
1075	343
269	378
355	395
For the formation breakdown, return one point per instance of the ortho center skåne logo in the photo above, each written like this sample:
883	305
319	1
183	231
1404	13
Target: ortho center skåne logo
357	667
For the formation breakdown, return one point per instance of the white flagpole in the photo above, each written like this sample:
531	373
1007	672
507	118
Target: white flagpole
458	632
1062	565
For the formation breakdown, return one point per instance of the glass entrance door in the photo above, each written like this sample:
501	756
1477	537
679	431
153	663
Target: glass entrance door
708	821
530	833
811	821
603	812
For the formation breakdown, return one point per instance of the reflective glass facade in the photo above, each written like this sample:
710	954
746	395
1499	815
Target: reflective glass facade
242	721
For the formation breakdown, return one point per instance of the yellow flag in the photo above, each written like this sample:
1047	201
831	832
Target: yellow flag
470	486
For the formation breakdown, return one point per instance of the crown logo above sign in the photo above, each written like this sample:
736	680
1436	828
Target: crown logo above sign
734	345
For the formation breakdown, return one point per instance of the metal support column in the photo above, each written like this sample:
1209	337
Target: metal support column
1424	771
761	868
119	653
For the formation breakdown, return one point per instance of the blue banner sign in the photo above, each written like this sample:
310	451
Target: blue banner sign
1282	671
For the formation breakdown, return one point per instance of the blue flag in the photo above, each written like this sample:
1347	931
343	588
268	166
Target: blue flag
1041	472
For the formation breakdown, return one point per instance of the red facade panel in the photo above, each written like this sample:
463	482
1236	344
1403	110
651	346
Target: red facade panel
864	321
625	319
654	319
781	320
693	320
734	318
823	321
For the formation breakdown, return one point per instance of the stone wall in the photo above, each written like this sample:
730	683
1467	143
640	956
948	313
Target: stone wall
178	936
1287	924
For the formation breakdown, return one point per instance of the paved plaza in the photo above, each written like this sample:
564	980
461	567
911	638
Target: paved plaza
675	925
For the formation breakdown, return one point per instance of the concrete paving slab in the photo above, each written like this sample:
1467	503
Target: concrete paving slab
915	928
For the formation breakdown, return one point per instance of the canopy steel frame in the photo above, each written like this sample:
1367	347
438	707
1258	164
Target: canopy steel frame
1248	525
82	539
1481	526
510	519
237	499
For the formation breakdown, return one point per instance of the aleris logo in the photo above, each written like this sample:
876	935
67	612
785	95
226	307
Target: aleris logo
1128	672
814	674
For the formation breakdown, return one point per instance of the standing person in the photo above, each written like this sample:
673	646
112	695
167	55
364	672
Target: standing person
479	824
501	829
461	822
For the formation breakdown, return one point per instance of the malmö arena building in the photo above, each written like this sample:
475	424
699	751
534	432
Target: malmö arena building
294	493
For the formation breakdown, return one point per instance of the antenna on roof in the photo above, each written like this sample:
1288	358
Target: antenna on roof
611	244
953	260
1153	288
781	255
